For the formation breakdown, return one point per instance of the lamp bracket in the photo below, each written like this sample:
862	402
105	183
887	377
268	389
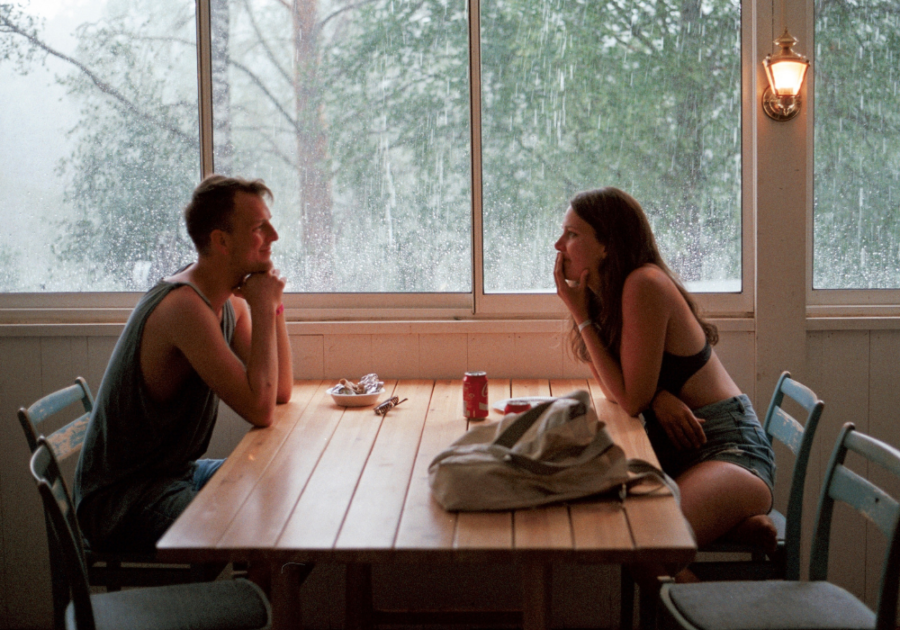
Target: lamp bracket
780	108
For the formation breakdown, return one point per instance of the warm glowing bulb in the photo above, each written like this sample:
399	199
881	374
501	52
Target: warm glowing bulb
787	76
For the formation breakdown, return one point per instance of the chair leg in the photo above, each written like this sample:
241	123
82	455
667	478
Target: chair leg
626	612
647	610
59	588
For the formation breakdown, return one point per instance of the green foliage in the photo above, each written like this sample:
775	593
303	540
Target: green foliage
857	145
357	114
644	96
136	156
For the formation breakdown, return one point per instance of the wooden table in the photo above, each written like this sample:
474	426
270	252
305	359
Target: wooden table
332	484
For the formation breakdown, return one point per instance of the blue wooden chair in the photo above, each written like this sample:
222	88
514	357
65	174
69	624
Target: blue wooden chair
797	436
817	603
110	570
221	605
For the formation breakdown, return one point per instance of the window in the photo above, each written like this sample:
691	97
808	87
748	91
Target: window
412	150
645	96
856	239
100	143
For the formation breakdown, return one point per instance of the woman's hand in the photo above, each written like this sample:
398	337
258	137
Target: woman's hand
678	421
574	297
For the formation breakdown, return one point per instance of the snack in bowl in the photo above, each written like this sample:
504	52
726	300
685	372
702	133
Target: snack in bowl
362	394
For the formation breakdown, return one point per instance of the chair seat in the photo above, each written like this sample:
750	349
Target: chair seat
223	605
767	605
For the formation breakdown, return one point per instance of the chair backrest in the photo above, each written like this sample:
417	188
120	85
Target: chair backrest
66	440
798	437
64	531
842	484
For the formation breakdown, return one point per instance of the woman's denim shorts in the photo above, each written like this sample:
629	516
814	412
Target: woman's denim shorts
733	434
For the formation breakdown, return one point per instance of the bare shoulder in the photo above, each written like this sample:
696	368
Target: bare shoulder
649	283
182	310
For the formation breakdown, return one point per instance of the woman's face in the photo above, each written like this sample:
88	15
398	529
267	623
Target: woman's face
580	248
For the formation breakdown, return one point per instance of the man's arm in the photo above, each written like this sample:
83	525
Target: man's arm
241	343
248	387
285	360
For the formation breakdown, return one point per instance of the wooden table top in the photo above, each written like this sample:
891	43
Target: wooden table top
327	483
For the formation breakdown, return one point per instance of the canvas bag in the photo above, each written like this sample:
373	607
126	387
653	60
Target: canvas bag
556	451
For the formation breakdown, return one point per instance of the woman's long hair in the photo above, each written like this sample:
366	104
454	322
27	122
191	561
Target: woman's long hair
620	224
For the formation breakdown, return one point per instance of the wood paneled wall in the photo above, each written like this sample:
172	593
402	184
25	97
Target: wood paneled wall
851	370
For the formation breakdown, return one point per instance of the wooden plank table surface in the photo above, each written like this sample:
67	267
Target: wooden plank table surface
331	484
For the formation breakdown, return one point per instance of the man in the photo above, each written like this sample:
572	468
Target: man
213	330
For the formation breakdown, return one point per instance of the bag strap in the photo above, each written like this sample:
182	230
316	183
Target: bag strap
501	447
644	470
600	444
519	427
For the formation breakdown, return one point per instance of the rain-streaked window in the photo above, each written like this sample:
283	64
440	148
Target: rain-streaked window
641	95
99	137
856	240
359	117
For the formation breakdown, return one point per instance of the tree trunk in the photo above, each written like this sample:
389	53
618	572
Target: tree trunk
312	152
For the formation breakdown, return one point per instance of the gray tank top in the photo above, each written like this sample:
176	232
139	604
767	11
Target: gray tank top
134	444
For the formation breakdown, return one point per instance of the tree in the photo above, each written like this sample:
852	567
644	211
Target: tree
357	114
857	145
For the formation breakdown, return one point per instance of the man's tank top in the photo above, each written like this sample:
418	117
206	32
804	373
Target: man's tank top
133	442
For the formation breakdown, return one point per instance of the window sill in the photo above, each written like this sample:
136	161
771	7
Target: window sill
357	327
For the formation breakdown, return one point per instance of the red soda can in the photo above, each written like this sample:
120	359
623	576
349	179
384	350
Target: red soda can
475	395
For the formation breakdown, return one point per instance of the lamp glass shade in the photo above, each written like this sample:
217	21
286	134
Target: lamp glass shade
786	76
786	69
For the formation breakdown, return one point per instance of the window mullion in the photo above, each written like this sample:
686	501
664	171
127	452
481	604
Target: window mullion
204	86
475	125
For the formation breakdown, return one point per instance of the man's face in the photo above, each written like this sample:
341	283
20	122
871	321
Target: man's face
252	234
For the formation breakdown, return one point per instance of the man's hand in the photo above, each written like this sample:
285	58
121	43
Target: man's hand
262	290
678	421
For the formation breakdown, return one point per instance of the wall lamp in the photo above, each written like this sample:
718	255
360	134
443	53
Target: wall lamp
785	70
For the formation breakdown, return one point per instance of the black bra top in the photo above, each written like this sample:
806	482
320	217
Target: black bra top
676	370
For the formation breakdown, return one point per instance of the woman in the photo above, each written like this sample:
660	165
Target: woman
651	352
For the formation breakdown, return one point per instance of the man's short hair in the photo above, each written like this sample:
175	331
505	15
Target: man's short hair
212	206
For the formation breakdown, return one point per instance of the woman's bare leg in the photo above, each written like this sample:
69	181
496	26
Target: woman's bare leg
720	499
718	496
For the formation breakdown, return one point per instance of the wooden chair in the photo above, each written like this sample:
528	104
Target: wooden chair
785	562
225	604
110	570
773	604
798	438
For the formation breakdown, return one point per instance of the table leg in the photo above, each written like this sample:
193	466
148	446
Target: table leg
358	606
536	583
285	595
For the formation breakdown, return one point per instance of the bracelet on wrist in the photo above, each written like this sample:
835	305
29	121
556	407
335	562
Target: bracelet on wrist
584	324
280	309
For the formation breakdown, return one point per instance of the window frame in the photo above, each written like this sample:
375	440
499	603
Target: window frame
832	303
115	306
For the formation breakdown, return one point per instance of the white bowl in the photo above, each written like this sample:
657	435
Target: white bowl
354	400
